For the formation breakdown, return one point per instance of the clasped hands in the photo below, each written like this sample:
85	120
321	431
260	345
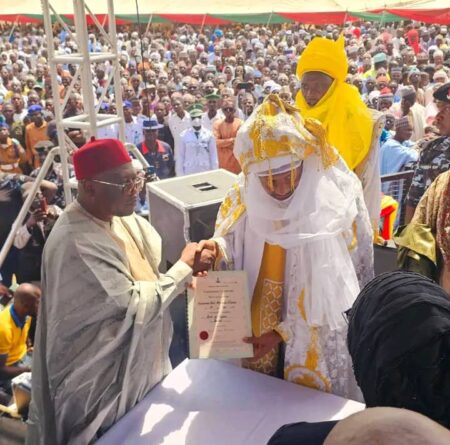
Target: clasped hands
200	256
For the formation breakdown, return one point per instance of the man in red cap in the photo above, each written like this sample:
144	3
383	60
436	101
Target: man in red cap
104	330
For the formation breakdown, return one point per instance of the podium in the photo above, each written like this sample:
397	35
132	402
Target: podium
184	209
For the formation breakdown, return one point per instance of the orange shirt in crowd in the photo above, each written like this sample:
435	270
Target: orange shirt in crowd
11	156
33	135
225	134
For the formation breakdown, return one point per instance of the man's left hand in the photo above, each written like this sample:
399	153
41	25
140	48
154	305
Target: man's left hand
264	344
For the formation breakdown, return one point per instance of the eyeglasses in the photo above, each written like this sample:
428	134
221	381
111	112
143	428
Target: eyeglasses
229	110
128	188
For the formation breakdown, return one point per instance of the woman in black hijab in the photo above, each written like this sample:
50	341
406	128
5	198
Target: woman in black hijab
399	341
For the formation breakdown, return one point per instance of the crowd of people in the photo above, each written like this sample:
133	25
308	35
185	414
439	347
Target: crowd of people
309	118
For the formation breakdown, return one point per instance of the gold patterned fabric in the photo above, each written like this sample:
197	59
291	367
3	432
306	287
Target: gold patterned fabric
424	244
127	239
267	304
277	130
434	211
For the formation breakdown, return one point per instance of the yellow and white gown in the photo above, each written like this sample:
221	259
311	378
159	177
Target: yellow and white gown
307	258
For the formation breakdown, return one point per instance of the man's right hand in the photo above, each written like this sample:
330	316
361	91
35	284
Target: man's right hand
200	260
188	254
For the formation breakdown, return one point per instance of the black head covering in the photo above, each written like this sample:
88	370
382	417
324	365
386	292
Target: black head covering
399	341
443	93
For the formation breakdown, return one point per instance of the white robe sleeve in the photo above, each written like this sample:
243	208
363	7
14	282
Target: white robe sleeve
361	247
369	173
179	157
213	159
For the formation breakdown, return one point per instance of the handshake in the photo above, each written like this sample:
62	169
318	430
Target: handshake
200	256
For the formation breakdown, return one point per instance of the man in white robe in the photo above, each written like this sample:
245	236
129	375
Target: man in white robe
103	331
297	223
197	151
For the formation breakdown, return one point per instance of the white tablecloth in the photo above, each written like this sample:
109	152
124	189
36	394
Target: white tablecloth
209	402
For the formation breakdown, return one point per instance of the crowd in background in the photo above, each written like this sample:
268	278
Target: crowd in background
185	93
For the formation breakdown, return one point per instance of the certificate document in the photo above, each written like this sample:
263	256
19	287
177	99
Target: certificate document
219	316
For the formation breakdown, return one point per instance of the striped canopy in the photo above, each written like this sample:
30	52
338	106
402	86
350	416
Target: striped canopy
218	12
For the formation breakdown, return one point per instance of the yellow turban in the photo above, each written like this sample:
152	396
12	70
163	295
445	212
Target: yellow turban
341	110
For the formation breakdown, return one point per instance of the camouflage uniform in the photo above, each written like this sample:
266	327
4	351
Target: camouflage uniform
433	160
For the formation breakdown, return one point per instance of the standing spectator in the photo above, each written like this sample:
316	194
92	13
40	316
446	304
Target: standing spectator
197	152
398	151
11	201
179	120
413	110
15	322
20	113
34	133
211	115
157	153
16	127
54	173
30	240
164	133
12	155
412	36
133	131
136	111
225	132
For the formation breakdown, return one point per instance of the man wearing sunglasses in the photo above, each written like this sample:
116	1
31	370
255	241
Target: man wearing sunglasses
104	331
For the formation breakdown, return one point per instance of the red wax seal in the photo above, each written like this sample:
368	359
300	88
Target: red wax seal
204	335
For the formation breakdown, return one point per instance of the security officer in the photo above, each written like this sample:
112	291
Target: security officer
157	153
434	158
198	151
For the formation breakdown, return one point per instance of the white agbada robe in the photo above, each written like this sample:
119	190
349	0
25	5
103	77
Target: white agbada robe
325	230
102	338
196	154
242	249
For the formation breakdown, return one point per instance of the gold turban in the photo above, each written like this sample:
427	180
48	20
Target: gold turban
276	130
344	115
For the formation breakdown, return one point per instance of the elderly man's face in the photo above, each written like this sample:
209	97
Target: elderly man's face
314	86
281	184
113	200
407	103
442	119
177	106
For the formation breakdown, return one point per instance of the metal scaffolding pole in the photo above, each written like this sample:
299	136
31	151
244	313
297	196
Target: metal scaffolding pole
90	120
